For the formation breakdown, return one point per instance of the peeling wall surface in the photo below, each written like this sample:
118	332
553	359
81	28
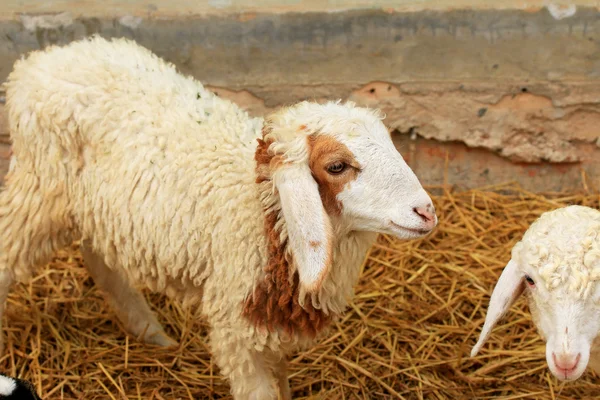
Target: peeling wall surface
477	92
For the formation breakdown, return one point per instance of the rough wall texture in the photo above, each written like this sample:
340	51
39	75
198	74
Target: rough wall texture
521	85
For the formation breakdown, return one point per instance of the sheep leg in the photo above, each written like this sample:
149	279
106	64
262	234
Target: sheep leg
285	392
129	304
249	371
34	223
6	281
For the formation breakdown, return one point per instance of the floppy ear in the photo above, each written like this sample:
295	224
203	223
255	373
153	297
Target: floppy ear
509	287
308	225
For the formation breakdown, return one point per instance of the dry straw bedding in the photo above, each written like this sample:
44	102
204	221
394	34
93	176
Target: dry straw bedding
418	309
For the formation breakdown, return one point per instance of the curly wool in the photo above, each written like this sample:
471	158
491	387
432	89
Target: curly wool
564	246
141	193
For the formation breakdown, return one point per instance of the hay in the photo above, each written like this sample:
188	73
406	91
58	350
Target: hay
418	310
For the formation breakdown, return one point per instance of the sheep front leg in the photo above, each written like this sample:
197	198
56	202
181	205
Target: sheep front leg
285	392
129	304
249	371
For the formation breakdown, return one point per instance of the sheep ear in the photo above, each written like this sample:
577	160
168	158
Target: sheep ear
509	287
308	225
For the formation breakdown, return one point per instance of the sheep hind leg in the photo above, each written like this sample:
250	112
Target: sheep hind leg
6	280
129	304
34	223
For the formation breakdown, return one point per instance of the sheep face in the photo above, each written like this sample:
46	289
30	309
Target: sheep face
568	324
557	265
336	170
379	191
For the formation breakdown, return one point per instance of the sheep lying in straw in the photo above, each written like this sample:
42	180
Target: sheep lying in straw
166	186
558	259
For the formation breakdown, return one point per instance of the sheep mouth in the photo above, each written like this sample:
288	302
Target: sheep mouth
420	232
566	374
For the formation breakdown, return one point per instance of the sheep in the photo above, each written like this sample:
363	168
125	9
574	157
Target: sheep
262	223
558	260
16	389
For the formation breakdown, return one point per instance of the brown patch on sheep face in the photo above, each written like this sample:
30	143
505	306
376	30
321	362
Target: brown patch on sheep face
274	303
324	152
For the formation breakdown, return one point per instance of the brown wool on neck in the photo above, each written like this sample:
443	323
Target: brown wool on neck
274	303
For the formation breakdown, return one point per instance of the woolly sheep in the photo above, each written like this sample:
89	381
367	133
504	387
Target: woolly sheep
263	224
558	260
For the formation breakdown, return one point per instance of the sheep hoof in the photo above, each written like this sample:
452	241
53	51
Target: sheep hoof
160	339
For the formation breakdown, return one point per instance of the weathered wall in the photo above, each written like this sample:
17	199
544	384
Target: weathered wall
517	81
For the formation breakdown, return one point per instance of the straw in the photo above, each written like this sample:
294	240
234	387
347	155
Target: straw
418	310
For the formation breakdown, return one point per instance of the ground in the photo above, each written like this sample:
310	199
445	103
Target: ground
418	310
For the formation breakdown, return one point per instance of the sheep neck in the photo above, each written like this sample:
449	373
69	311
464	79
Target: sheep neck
275	303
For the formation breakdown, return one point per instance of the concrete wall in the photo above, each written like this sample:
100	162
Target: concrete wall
478	92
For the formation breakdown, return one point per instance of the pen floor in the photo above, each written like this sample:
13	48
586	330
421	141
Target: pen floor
418	310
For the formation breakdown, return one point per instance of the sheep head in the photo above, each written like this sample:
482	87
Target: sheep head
336	170
557	265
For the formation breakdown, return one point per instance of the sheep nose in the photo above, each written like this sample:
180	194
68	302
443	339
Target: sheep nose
566	363
427	215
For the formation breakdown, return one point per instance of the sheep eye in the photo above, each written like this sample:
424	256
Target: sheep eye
336	168
530	281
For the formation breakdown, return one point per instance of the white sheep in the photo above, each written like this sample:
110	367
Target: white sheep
166	186
558	260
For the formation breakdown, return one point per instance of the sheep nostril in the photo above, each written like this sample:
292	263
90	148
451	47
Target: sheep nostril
425	213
